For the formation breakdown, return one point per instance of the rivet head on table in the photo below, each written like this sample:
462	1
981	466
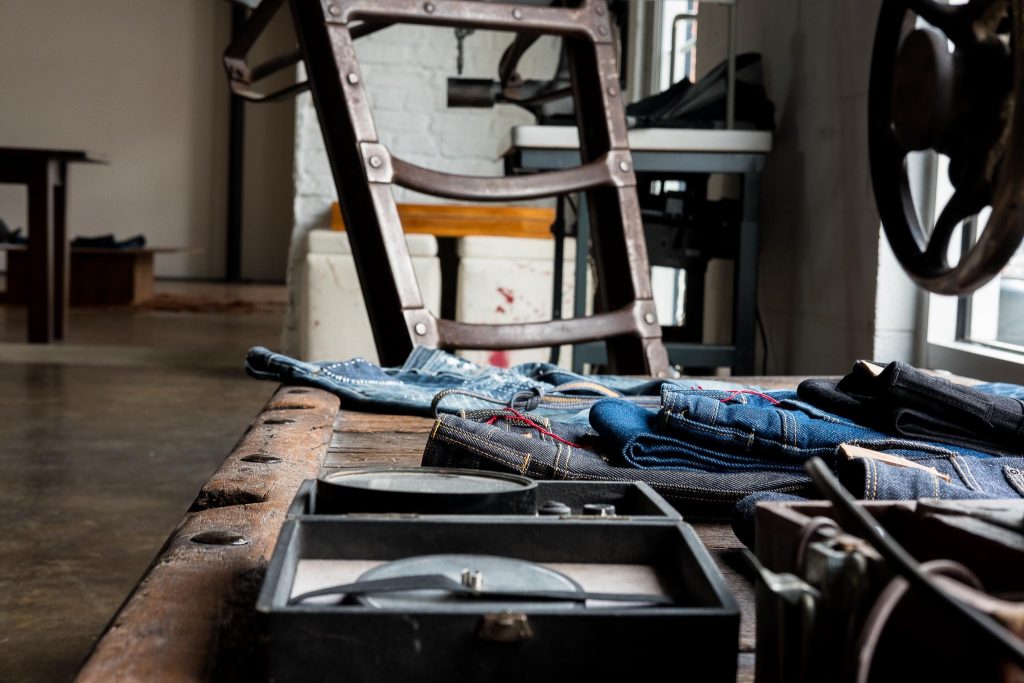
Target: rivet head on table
428	7
333	10
376	161
420	329
353	78
649	318
599	9
612	90
517	13
219	537
602	29
623	166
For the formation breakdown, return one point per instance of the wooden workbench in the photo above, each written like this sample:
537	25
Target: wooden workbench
191	617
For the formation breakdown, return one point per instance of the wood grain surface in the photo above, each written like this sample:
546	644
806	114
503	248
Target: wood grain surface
191	617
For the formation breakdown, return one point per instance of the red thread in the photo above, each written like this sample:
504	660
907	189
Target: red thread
749	391
516	415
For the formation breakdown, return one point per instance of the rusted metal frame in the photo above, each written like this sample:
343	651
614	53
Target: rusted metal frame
604	170
623	273
376	233
622	322
241	76
582	21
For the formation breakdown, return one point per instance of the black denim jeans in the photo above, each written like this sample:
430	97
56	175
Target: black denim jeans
542	449
903	401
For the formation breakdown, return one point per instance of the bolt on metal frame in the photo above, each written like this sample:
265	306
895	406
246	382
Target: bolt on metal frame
364	171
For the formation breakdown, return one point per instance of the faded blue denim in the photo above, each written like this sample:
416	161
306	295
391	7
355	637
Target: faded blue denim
723	431
541	388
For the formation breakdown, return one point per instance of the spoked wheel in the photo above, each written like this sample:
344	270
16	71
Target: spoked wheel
966	103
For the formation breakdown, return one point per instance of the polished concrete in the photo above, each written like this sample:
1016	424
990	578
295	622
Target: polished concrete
105	441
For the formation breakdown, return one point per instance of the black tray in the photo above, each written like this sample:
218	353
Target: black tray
633	501
696	638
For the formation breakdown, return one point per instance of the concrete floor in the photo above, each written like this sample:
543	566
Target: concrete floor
106	440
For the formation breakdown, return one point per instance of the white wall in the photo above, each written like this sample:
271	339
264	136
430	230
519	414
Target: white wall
141	81
405	69
820	229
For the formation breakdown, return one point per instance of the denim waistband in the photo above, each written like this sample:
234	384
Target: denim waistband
411	388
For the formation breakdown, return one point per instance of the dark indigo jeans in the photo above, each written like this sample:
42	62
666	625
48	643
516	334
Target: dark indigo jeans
511	445
720	431
539	387
929	471
903	401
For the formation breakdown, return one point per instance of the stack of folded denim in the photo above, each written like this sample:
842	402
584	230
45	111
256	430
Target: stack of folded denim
903	401
889	432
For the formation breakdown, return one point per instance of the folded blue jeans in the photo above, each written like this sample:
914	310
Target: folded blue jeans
542	388
537	447
730	431
921	471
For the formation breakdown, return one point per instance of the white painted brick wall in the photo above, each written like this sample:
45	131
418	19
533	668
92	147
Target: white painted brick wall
405	70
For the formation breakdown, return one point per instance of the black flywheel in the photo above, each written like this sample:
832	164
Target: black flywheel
955	86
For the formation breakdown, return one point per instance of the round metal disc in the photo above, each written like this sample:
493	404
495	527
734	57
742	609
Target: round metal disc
425	480
499	574
426	490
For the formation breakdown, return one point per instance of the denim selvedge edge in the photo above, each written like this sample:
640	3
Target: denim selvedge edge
511	446
411	388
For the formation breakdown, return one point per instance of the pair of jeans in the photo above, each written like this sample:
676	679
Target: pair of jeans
537	447
412	388
893	470
903	401
719	431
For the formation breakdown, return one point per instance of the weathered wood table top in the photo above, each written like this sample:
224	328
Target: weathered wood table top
192	618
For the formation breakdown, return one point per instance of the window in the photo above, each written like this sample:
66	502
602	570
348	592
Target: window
982	334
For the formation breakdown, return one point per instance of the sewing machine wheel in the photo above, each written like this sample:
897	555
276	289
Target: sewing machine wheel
960	103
